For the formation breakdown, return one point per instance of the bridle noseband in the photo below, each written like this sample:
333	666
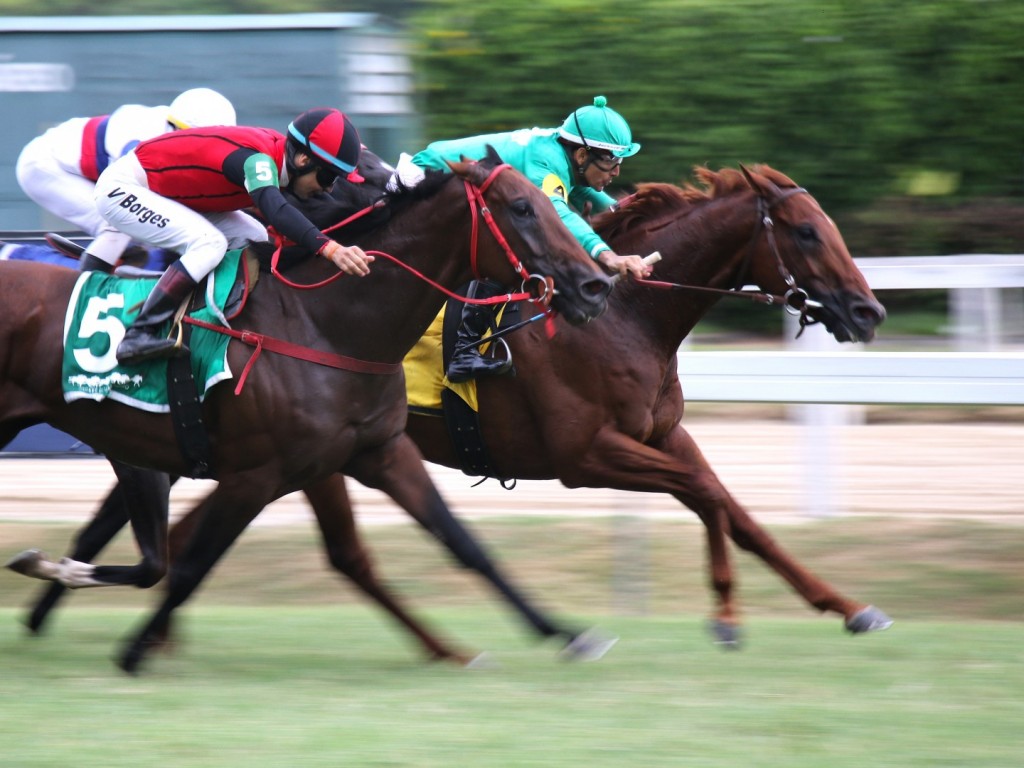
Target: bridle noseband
796	300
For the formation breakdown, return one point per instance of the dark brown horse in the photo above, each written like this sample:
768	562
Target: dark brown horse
296	423
616	379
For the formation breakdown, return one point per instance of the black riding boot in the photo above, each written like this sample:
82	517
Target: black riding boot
143	340
467	362
89	263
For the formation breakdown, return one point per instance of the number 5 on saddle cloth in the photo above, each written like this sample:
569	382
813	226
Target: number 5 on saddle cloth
101	308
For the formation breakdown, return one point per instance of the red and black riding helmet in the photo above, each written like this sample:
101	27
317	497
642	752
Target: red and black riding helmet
328	136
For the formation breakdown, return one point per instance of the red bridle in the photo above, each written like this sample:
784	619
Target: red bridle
477	209
475	195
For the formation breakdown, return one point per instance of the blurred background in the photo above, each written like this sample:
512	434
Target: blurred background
906	124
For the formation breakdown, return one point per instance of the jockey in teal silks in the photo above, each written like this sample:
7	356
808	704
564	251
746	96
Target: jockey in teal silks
572	164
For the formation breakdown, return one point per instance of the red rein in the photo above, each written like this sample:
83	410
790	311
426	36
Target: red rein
475	196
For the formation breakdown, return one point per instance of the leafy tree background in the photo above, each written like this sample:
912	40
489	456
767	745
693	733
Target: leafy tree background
904	119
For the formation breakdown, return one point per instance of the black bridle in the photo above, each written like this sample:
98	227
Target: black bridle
796	300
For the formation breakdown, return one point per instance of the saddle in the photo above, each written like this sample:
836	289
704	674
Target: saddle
255	261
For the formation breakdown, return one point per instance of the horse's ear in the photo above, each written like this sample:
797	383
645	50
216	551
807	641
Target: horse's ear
460	168
492	159
755	183
468	169
749	176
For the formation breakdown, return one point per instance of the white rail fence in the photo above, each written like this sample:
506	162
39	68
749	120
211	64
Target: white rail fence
822	376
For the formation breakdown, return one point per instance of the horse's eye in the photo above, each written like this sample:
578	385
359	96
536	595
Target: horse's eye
522	208
806	234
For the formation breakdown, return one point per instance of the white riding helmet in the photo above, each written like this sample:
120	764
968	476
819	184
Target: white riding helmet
199	108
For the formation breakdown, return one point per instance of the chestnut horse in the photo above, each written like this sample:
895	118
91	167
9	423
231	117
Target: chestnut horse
616	378
616	382
295	423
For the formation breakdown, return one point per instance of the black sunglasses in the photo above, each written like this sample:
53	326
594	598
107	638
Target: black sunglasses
326	177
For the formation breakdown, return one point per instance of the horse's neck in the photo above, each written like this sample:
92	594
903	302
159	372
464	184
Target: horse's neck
382	315
705	249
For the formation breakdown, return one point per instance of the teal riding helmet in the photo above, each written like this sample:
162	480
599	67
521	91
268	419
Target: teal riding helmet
600	127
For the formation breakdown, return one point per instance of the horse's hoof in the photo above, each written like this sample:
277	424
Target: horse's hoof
589	645
869	619
483	661
34	623
726	635
130	661
32	563
134	653
23	562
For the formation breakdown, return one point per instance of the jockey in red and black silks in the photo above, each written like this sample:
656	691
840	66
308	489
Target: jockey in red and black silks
205	170
186	192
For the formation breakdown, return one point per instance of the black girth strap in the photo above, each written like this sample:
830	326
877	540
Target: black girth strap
462	421
187	414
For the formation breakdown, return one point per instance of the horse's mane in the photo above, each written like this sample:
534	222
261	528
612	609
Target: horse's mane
346	199
400	197
654	200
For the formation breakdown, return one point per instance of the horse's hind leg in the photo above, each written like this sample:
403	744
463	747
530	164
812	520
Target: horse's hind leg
144	494
403	477
333	508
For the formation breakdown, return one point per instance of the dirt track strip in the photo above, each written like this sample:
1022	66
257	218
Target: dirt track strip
955	471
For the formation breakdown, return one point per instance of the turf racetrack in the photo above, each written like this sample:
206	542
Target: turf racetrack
280	665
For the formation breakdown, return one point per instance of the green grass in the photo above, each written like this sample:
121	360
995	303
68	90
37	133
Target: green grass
321	686
279	664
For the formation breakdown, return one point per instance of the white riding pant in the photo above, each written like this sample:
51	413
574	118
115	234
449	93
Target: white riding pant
48	172
129	206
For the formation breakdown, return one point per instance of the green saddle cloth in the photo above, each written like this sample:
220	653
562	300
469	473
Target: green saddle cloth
102	306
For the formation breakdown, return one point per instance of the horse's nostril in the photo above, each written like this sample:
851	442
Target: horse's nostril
597	288
869	314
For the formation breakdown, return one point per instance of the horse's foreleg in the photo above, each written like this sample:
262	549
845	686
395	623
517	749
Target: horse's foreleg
220	520
399	472
615	460
333	508
677	466
145	494
747	534
90	541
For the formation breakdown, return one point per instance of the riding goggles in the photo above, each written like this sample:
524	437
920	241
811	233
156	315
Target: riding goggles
605	162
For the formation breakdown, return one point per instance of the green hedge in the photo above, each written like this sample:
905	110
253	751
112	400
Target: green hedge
881	109
906	120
